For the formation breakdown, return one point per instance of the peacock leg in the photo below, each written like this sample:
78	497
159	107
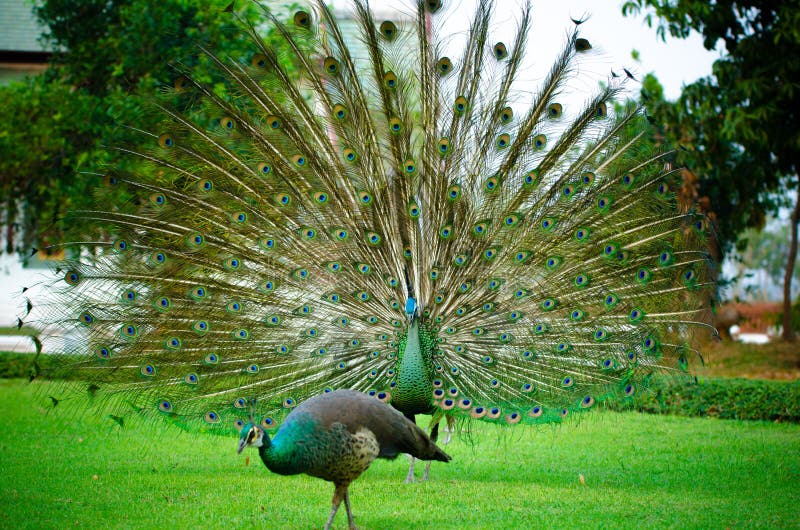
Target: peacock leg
338	494
434	436
350	520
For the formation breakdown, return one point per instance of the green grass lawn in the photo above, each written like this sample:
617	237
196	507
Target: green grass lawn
60	469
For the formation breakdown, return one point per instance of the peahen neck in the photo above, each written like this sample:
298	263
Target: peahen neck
277	459
412	394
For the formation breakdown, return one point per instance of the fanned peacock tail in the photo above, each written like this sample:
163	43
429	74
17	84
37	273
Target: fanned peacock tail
263	247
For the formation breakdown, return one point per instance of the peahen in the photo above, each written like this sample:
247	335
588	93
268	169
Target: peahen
336	437
395	217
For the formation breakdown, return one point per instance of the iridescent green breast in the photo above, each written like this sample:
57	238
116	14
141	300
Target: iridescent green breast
413	392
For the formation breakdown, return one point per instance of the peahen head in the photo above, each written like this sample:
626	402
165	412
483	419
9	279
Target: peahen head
251	436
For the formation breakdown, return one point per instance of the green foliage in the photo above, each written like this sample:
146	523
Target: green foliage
739	130
111	59
13	365
126	43
48	131
64	468
739	399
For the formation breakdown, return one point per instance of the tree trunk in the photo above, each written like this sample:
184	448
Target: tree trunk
788	332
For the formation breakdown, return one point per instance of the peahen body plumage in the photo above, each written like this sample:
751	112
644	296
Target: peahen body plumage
405	220
336	437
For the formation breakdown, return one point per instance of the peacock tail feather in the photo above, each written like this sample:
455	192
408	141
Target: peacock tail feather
261	248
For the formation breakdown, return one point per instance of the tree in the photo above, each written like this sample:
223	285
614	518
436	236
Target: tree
111	58
740	128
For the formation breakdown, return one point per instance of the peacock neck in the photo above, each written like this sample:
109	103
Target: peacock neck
412	394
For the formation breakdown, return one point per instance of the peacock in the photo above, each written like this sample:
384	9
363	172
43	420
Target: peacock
336	437
402	216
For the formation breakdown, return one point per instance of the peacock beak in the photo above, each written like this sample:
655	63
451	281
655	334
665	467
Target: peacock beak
242	444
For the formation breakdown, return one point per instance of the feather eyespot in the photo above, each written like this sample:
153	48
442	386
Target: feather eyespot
433	5
87	318
454	192
331	65
259	60
582	45
444	66
388	29
444	146
173	343
180	84
302	20
503	141
350	155
461	105
158	199
395	125
532	178
72	277
129	331
390	80
273	122
339	111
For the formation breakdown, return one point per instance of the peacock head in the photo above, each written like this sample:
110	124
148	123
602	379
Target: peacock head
251	436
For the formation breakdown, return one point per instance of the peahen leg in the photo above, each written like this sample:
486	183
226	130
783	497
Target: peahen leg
410	476
350	520
338	494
